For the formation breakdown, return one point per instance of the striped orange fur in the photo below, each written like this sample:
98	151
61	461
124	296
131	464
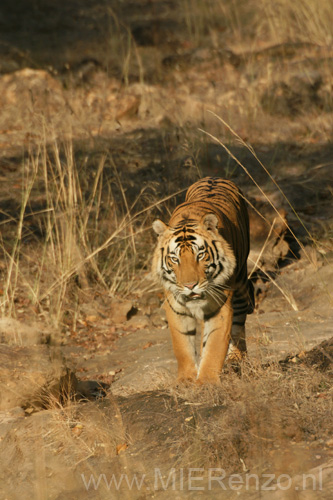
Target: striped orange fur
201	261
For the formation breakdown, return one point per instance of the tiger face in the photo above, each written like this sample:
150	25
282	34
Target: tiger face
194	263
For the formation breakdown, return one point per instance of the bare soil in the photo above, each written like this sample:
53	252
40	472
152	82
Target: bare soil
89	407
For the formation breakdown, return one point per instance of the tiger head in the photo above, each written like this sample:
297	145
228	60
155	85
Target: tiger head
193	261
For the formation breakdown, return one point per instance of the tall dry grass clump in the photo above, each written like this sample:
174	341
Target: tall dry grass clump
273	21
302	20
83	233
77	232
255	419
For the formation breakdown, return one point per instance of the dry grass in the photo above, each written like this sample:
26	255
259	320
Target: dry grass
275	21
122	46
82	432
304	21
72	236
247	421
254	422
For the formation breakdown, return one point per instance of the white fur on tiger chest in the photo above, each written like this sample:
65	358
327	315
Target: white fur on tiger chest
196	309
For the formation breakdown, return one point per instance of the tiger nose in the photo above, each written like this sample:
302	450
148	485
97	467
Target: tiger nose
191	285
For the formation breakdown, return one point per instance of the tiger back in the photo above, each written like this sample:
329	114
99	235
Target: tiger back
201	261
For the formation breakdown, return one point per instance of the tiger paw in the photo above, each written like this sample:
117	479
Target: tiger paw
235	355
187	376
234	360
185	382
208	380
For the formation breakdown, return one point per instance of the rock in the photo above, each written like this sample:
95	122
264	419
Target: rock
8	417
47	446
139	321
158	318
275	241
34	375
294	95
127	106
150	303
121	311
156	31
13	332
117	105
36	88
319	357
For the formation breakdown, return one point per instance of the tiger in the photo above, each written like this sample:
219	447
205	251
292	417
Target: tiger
201	261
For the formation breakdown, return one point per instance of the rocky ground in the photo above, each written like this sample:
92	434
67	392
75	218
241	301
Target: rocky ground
110	110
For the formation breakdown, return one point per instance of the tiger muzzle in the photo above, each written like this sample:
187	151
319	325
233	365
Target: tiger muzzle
193	296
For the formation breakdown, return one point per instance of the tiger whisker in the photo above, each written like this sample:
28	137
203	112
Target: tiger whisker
217	297
221	286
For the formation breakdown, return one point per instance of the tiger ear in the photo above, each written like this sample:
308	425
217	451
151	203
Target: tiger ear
159	227
210	222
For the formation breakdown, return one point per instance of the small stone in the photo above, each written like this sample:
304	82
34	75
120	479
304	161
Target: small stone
120	448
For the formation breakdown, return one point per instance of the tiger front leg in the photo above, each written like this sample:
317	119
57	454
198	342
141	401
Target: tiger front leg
242	303
183	330
237	347
215	343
